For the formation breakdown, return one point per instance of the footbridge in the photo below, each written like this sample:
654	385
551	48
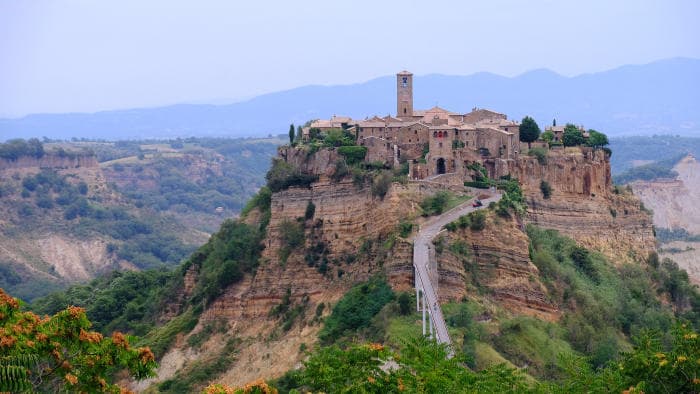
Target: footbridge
425	266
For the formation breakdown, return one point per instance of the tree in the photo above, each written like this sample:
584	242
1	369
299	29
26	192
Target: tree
572	136
546	189
529	130
554	122
59	353
597	139
548	136
291	134
299	135
405	304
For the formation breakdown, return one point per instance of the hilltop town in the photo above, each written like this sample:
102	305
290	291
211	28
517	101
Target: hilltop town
437	142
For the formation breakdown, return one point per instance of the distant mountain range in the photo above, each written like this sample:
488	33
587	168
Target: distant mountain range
657	98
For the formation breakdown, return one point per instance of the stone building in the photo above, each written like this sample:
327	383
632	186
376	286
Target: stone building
436	140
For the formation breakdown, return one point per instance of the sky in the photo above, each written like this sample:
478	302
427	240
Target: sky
86	56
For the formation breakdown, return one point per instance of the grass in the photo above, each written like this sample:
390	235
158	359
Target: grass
456	200
487	356
162	337
403	327
532	343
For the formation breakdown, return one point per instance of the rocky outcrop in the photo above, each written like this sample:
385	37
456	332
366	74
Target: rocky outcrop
182	293
354	233
308	161
675	202
582	204
346	218
493	262
676	205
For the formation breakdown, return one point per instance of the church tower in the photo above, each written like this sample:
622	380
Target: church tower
404	94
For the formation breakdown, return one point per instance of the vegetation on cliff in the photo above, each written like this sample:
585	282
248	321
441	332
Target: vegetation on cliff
147	204
49	202
16	148
356	309
134	301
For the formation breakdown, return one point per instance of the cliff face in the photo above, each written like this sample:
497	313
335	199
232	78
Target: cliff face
676	204
354	233
582	204
50	160
37	248
345	218
496	261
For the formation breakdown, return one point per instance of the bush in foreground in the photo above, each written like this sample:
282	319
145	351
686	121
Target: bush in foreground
59	353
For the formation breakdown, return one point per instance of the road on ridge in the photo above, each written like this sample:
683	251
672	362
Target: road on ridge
421	258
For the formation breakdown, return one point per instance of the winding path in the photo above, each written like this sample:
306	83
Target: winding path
422	246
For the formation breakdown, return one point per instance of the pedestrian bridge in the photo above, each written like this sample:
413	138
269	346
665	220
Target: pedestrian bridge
426	274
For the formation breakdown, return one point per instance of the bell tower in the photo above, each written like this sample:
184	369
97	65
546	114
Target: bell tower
404	94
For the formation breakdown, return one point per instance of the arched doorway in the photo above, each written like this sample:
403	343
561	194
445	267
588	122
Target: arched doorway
441	166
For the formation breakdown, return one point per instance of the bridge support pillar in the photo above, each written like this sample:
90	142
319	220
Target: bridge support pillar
423	310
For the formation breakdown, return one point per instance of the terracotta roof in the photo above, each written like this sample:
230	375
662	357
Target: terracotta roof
371	123
343	119
495	130
414	122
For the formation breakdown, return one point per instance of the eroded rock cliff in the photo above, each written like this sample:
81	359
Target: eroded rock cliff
583	205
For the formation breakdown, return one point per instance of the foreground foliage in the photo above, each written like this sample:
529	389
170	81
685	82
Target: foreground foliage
421	366
356	309
651	367
58	353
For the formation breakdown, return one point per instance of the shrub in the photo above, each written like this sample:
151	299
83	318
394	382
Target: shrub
356	309
231	252
261	201
16	148
292	236
546	189
405	229
435	204
381	184
477	220
477	184
310	210
405	303
540	154
34	351
283	175
353	154
30	183
341	170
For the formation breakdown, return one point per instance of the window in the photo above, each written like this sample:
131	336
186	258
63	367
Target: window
440	145
415	131
404	110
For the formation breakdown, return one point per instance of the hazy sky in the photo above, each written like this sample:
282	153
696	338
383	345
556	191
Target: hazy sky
86	55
